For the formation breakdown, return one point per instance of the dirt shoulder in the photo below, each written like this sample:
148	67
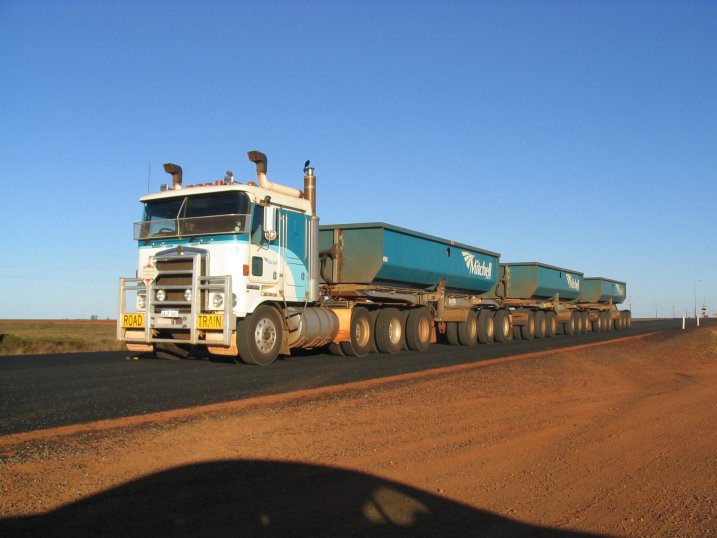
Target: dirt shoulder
614	440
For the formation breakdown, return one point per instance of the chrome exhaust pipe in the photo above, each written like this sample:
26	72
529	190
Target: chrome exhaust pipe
176	172
258	158
310	186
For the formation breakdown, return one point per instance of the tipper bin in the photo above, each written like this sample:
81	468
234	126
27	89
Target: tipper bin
382	254
533	280
601	290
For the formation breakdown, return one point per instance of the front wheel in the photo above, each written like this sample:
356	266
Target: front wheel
259	336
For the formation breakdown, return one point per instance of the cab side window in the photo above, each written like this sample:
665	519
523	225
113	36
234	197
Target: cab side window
257	226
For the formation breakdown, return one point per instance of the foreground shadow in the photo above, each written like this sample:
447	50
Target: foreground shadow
268	498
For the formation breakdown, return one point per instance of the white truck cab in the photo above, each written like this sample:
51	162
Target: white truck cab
225	264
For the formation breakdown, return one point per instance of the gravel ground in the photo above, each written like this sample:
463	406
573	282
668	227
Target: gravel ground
611	440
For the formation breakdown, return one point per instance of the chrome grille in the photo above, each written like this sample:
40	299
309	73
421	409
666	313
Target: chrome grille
176	275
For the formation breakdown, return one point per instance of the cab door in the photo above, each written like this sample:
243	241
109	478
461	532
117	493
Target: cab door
264	251
294	245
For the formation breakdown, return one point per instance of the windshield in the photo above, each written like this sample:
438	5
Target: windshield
220	213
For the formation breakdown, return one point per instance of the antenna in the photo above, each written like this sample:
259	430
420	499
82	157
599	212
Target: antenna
149	174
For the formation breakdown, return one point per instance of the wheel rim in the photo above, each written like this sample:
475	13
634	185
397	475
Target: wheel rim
424	330
490	328
472	328
505	326
394	331
362	332
265	335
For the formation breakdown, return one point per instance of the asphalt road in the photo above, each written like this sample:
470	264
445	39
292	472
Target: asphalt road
45	391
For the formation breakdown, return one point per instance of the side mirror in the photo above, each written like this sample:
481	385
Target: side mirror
270	222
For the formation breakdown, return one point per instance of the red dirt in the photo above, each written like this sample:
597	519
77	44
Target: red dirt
616	439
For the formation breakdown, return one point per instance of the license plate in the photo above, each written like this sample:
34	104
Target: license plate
132	320
169	313
210	321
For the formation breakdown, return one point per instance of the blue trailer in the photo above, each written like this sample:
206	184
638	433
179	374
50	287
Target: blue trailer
380	254
407	285
599	296
541	299
602	291
538	281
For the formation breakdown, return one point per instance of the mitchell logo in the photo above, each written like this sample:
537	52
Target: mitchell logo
572	282
477	267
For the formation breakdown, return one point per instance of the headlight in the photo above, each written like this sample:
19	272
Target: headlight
141	301
217	300
188	296
160	295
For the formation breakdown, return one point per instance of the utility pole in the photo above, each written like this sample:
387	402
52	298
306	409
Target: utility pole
695	289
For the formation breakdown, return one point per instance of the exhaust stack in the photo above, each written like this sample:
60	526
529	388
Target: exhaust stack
260	160
310	186
176	172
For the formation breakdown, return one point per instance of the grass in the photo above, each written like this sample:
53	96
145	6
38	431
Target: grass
23	337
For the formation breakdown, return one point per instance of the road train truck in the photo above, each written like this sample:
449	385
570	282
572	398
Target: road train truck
245	270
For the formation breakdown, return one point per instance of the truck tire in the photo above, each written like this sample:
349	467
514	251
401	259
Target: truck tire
540	324
527	330
551	324
586	323
468	330
597	323
374	314
503	330
335	349
577	318
389	331
259	336
607	321
569	326
404	318
452	333
419	325
617	323
486	326
361	334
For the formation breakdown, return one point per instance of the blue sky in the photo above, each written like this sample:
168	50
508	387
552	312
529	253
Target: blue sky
579	134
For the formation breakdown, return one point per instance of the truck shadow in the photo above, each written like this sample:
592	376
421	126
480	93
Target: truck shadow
268	498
